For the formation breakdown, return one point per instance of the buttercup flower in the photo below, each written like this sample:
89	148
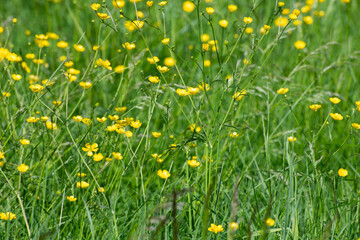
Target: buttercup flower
98	157
248	20
156	134
193	163
343	172
22	168
71	198
315	107
82	184
336	116
234	226
7	216
24	141
270	222
90	148
215	228
188	6
300	45
335	100
282	90
164	174
223	23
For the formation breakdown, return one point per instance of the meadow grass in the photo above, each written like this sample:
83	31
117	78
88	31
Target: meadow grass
231	134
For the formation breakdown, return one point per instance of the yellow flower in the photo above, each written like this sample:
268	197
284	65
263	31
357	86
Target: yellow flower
22	168
32	119
195	128
7	216
204	86
249	30
117	155
156	134
103	63
296	12
193	163
102	119
292	139
182	92
239	95
129	46
36	88
188	6
113	117
163	69
153	60
2	155
24	141
85	85
68	64
98	157
62	44
165	41
164	174
315	107
121	109
223	23
16	77
209	10
52	35
281	4
154	79
270	222
119	69
30	55
128	134
193	90
56	103
82	184
79	47
71	198
248	20
135	124
354	125
267	27
169	61
77	118
103	16
101	189
335	100
149	3
281	21
95	6
232	8
293	16
87	121
90	148
163	3
216	228
336	116
308	20
234	226
300	44
81	174
51	125
234	135
118	3
343	172
6	94
282	90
